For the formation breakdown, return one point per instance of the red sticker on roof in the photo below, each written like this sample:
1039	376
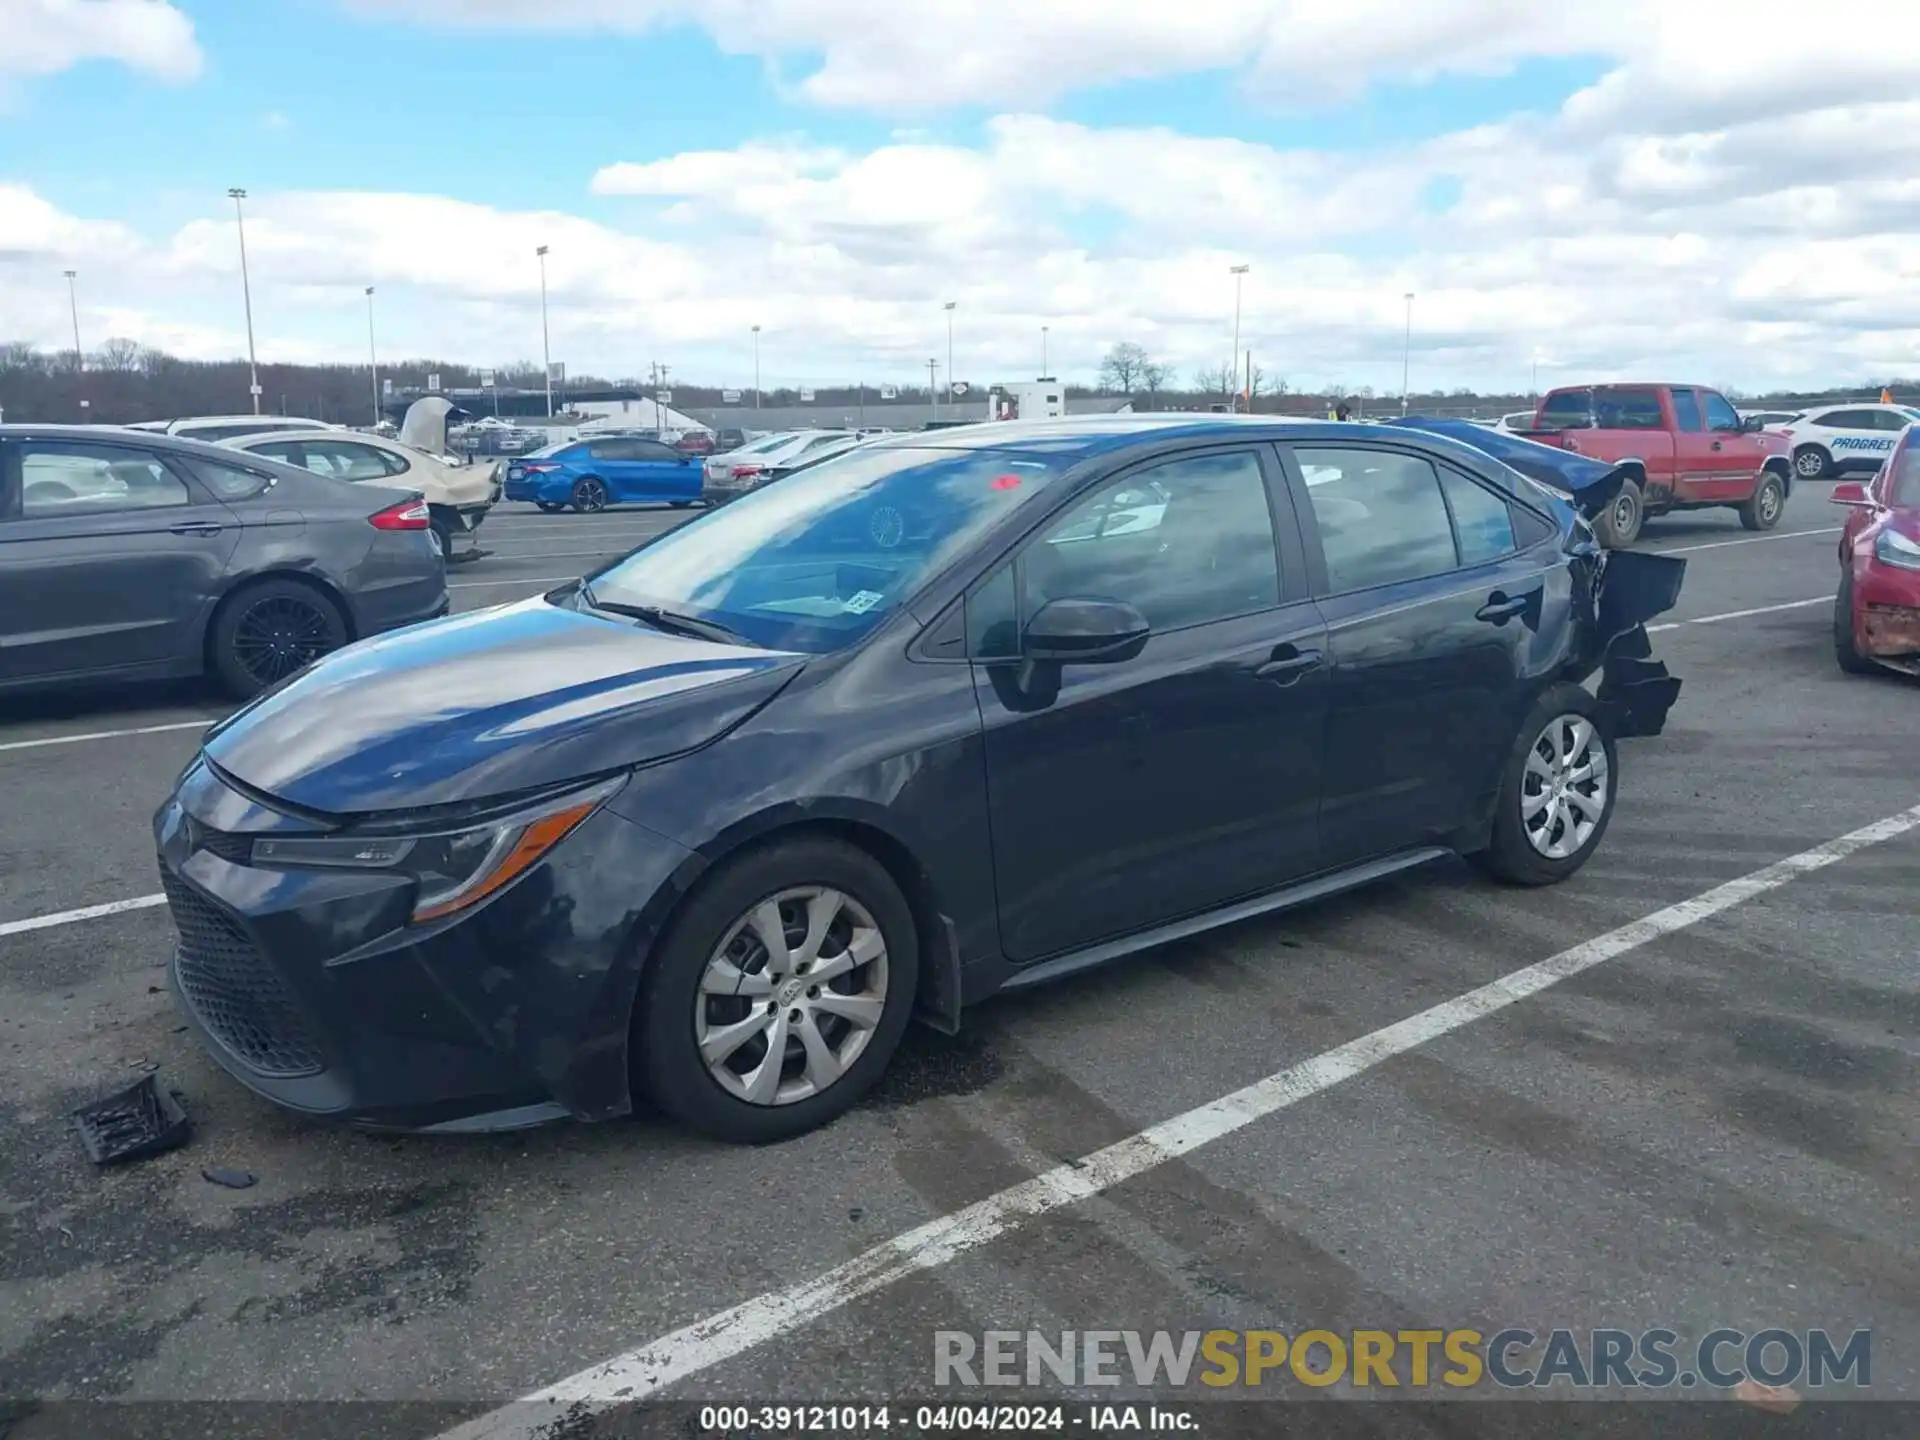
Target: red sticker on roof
1006	482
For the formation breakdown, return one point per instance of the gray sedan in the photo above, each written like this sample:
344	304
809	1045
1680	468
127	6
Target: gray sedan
133	556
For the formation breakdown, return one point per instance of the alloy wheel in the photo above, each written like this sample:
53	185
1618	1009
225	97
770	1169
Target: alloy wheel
590	495
1565	788
1626	510
1810	464
278	635
791	996
1769	506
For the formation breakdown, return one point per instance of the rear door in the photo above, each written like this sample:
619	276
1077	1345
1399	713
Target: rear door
110	556
1432	605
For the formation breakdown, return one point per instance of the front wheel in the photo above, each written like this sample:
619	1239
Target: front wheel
265	632
1618	526
1845	653
590	495
1768	502
780	993
1557	793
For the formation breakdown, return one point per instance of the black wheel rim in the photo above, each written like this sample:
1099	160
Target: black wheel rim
592	495
279	635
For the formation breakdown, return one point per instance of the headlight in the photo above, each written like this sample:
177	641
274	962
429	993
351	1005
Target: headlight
455	868
1893	548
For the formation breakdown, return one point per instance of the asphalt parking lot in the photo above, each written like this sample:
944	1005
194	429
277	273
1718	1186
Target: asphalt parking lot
1713	1124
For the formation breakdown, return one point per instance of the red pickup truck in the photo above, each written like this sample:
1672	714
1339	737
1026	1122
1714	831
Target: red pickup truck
1683	446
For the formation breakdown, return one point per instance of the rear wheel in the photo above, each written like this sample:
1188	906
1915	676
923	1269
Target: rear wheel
1810	462
551	507
589	494
1618	526
266	632
442	531
1768	502
780	993
1556	795
1845	652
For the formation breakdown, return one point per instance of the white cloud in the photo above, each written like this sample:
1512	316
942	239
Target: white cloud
40	37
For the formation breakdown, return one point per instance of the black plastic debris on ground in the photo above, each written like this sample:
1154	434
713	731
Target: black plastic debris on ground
232	1179
142	1120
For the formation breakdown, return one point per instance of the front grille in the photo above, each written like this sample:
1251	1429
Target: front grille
233	991
238	849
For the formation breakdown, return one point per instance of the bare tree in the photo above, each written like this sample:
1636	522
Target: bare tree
118	353
1124	369
1154	376
20	355
1213	380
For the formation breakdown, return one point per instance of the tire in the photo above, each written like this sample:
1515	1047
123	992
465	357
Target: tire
1845	654
683	504
589	495
1810	462
715	926
549	507
443	537
1519	855
1763	509
306	621
1618	526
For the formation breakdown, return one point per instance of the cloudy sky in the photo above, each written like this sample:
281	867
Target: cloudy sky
1666	188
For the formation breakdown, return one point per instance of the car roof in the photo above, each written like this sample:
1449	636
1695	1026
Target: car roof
1087	435
279	436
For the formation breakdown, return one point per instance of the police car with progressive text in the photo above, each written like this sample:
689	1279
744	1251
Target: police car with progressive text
1836	438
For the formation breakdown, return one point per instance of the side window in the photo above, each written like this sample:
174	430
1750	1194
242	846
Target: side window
993	617
1890	420
611	450
652	450
1720	414
58	478
1381	516
287	452
1185	542
1686	410
230	482
349	462
1482	523
1628	410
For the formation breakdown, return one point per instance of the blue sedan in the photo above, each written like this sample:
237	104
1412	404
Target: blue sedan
590	475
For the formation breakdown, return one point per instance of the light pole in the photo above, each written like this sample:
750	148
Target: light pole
246	294
73	305
756	367
373	357
1043	353
1239	273
1406	355
950	305
546	348
933	392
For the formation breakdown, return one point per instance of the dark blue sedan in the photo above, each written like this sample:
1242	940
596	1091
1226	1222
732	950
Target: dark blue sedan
950	714
590	475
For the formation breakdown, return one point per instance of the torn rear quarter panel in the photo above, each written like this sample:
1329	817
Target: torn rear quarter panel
1630	587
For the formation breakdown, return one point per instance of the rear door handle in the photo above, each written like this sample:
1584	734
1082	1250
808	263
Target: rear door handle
197	527
1288	665
1501	608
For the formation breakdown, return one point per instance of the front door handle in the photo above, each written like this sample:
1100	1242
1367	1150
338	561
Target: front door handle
1289	664
1501	608
197	527
1716	444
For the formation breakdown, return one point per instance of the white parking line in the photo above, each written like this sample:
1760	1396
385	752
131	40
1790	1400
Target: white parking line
637	1374
88	912
1741	614
511	580
106	734
1747	540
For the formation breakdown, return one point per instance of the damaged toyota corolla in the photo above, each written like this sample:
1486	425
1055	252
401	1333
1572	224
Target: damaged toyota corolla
955	713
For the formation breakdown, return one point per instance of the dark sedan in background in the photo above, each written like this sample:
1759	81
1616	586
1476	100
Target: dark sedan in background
945	715
126	555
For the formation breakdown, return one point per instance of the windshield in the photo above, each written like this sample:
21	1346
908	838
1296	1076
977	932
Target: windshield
763	444
1903	483
817	561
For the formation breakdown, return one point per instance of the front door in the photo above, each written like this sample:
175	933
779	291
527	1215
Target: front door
1735	453
108	558
1128	794
1431	609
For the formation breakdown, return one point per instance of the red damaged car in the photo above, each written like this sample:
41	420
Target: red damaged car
1876	615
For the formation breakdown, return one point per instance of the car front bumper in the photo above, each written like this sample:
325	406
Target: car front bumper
314	989
1886	613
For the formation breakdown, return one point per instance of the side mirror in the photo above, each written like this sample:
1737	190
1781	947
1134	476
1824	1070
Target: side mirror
1752	424
1850	492
1075	631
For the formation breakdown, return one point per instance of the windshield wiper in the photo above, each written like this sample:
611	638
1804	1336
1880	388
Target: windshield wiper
672	621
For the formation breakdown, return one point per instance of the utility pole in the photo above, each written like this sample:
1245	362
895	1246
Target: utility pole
756	367
1247	389
1239	273
373	357
1406	355
933	392
1043	354
950	305
73	305
546	348
237	194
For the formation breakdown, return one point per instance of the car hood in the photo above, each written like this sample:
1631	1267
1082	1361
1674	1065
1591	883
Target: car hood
1591	484
488	704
